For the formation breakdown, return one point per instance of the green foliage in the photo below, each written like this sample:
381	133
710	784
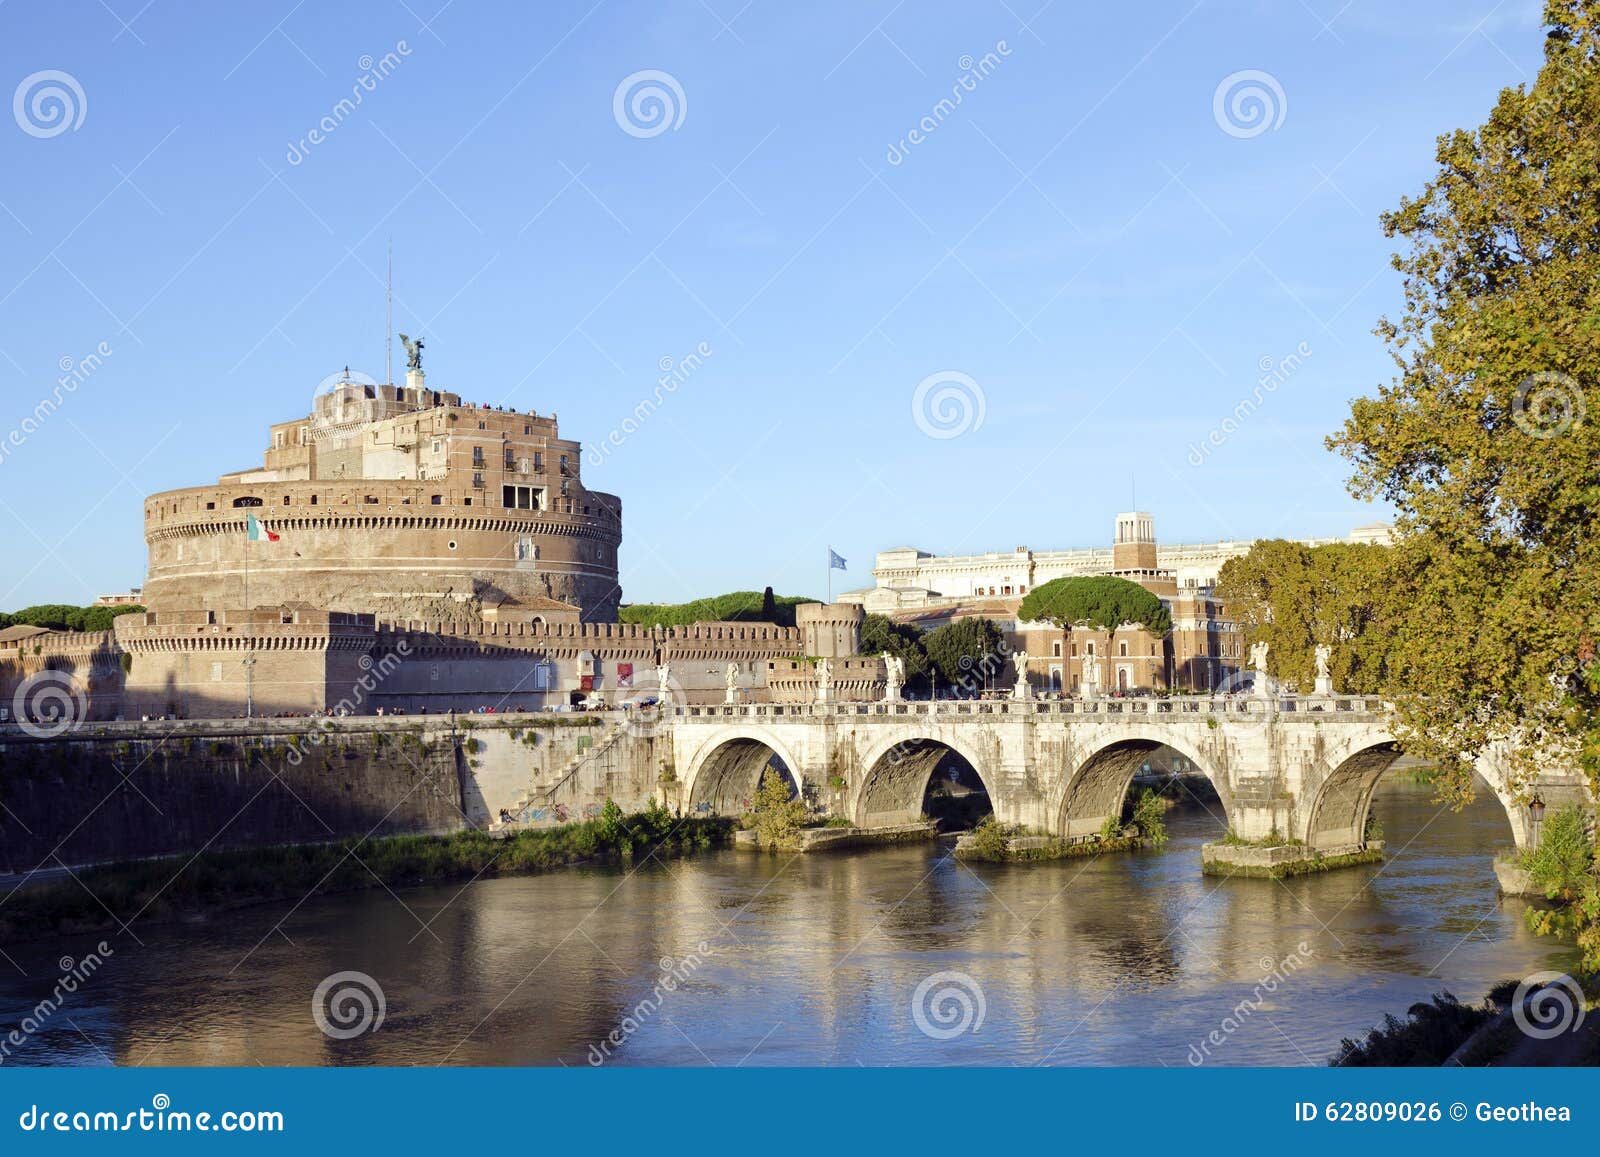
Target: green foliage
1566	868
737	606
776	818
1149	815
989	840
879	634
1486	439
966	652
1102	601
1431	1031
64	617
1293	597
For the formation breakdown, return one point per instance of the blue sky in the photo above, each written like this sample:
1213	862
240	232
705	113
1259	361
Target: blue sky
1106	262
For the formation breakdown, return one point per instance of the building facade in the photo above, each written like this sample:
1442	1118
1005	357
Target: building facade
1205	650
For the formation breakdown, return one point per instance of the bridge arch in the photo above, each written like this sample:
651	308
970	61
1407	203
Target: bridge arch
1095	789
896	771
725	770
1336	816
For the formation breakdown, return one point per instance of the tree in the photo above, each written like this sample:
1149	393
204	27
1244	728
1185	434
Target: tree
967	653
1102	601
1293	597
736	606
777	816
879	634
769	606
1487	438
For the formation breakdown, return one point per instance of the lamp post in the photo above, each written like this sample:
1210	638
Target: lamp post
1535	817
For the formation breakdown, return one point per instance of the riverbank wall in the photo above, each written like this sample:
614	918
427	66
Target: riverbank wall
106	792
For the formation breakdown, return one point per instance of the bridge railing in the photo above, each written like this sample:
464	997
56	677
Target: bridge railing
955	708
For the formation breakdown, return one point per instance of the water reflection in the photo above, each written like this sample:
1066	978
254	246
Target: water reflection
1126	959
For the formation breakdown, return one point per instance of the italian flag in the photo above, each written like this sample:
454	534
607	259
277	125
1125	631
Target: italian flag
256	531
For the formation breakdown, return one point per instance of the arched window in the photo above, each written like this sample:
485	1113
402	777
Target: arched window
247	500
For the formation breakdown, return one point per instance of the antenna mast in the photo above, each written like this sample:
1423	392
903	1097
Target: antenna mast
388	322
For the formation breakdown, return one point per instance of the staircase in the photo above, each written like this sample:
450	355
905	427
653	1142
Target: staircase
539	798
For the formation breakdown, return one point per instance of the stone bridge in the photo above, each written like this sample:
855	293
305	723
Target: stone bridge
1299	768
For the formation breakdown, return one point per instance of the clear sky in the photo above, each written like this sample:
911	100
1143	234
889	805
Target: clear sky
1106	255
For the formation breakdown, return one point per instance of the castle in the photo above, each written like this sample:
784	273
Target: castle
402	550
398	550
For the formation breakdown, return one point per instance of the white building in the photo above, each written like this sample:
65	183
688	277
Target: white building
909	579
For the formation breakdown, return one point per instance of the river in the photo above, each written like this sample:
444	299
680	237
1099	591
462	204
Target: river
1130	959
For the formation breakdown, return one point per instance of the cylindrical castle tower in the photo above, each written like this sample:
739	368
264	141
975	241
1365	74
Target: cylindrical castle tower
393	501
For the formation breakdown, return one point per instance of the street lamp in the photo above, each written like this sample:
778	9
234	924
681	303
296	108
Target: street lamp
1536	816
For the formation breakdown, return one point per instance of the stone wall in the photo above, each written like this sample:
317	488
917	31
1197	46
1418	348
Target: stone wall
123	791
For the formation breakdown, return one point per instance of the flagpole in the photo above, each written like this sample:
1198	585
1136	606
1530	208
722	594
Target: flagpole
250	642
830	575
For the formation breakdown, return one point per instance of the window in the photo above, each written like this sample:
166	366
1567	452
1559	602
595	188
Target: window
1122	649
563	463
564	490
437	500
477	456
527	551
477	480
510	459
522	497
538	461
1055	649
313	500
286	500
216	672
436	445
370	499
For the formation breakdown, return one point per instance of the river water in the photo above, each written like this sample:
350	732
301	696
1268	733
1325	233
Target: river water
1131	959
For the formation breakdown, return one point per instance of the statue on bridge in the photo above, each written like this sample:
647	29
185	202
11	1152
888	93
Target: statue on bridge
1019	660
663	677
1258	660
731	678
894	676
1091	676
1324	680
824	680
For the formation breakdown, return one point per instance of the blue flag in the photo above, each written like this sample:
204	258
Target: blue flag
834	561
